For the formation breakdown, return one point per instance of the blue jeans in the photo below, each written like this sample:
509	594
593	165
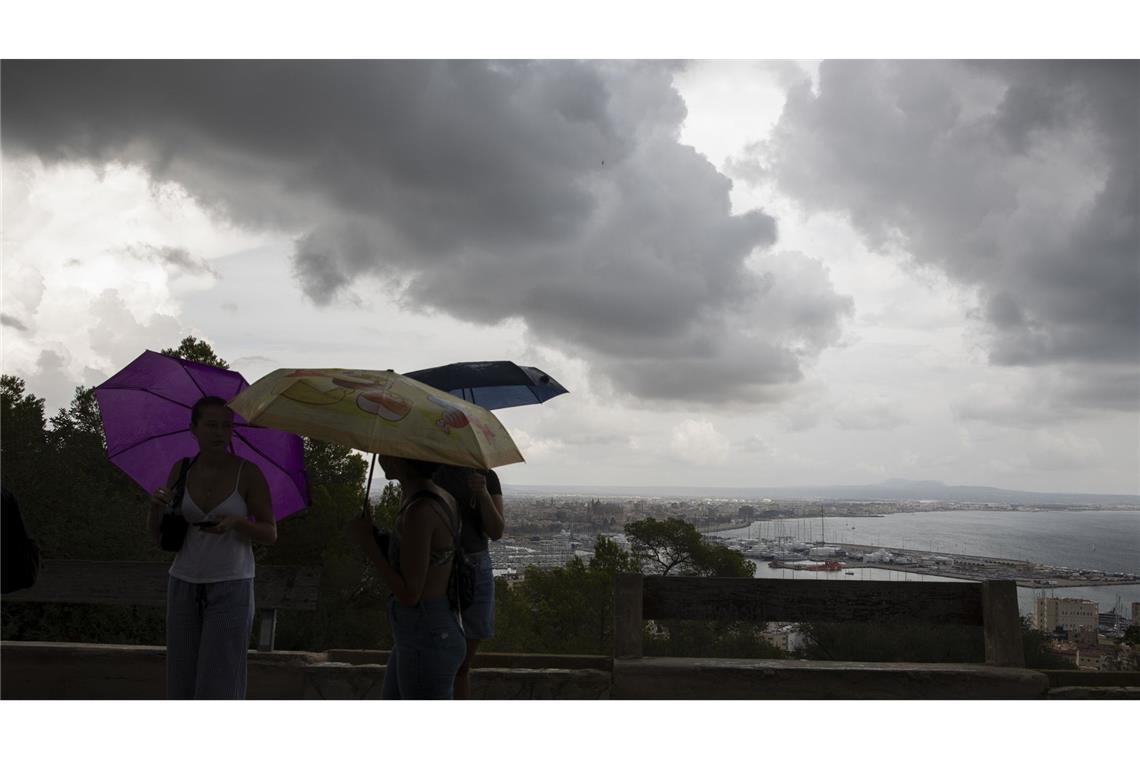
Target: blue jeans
428	650
207	638
479	618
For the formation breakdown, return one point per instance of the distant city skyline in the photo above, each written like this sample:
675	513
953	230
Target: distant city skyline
748	274
890	490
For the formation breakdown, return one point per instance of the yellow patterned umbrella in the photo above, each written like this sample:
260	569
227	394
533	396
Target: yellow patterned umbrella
382	412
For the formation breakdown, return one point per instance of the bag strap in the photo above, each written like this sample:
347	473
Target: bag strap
457	548
180	485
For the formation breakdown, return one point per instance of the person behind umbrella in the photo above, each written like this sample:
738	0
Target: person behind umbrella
479	497
428	648
209	598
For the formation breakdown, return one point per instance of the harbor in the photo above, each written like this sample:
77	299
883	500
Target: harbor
842	557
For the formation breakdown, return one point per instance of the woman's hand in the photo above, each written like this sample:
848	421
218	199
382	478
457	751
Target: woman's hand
477	482
360	530
490	506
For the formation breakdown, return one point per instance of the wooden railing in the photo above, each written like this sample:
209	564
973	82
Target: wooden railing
991	605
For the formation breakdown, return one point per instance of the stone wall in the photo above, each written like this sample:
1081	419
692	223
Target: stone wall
43	670
49	670
717	678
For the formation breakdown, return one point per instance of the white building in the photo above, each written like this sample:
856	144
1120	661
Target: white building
786	636
1068	614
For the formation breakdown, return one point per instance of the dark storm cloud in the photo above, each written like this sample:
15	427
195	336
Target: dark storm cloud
1052	395
1019	178
9	321
554	192
174	257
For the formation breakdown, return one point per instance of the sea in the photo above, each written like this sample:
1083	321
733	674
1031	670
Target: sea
1081	540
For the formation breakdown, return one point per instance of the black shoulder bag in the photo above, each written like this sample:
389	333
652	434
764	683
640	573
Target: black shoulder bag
172	529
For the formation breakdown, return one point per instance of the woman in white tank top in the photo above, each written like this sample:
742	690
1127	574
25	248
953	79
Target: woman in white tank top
210	604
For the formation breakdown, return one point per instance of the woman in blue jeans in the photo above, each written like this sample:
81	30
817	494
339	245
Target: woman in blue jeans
429	645
479	498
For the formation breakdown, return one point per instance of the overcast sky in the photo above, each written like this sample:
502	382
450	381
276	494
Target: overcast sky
747	273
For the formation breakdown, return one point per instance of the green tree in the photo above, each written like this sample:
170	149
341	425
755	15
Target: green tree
1038	653
569	609
675	546
97	511
351	605
562	610
195	350
23	446
78	506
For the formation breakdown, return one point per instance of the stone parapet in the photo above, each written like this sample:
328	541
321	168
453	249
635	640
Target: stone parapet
51	670
715	678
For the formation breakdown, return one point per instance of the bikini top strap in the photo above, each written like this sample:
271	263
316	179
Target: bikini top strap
440	506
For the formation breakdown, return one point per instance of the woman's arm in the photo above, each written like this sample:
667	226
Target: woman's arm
264	528
416	528
160	500
490	506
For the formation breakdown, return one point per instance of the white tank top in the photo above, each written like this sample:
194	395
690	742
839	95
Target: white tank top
209	557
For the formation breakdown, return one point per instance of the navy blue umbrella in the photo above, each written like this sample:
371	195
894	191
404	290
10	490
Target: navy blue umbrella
491	385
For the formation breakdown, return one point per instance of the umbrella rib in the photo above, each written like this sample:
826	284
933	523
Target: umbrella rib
191	378
182	404
138	443
271	461
148	439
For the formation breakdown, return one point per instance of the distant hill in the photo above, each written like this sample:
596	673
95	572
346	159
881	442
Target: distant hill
894	489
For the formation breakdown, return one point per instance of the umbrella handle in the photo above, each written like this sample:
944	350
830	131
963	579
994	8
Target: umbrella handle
368	487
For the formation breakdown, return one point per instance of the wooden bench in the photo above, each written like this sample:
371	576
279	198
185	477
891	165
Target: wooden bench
992	605
276	587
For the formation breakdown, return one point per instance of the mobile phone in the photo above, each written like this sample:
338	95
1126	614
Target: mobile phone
206	524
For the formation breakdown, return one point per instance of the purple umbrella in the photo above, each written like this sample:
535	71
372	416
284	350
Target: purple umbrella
146	418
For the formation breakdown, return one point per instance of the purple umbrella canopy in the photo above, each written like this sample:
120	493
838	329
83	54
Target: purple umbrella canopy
146	418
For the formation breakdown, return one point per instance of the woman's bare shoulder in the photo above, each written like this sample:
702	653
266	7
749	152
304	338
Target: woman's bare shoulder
431	501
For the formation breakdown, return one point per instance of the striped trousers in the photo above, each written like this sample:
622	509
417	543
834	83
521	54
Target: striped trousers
208	626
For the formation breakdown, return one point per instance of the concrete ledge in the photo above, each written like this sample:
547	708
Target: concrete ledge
340	680
65	670
1095	692
521	660
1087	678
541	683
700	678
50	670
